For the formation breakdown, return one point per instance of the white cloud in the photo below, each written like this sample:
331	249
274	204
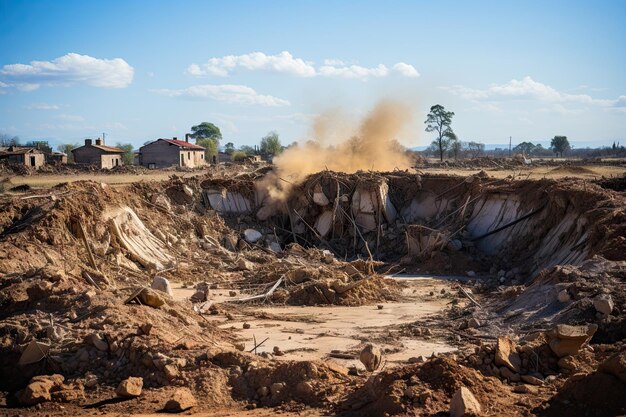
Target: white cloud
525	89
42	106
228	93
283	62
286	63
406	69
68	70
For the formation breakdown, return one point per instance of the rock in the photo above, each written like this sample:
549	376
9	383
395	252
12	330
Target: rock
251	235
232	293
563	296
277	351
370	357
245	265
187	190
246	325
473	323
150	298
130	387
34	352
277	387
162	284
533	380
327	256
275	247
98	342
568	364
379	306
263	391
38	389
509	375
419	359
525	389
182	399
506	354
567	340
471	273
464	404
603	304
146	328
171	371
615	365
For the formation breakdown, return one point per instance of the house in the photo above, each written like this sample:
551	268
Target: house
30	157
163	153
98	154
56	158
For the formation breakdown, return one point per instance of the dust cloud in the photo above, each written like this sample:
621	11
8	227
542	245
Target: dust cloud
339	145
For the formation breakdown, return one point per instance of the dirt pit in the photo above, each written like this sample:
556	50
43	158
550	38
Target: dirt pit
211	285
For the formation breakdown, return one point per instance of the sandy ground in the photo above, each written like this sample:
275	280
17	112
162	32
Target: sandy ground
313	332
590	172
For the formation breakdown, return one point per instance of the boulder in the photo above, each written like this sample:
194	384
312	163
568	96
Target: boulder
464	404
567	340
370	357
162	284
38	389
182	399
150	298
251	235
603	304
506	354
563	296
525	389
130	387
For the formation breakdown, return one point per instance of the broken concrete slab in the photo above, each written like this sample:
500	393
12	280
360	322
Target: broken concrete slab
567	340
506	354
34	352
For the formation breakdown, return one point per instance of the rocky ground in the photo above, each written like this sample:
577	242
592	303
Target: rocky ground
157	297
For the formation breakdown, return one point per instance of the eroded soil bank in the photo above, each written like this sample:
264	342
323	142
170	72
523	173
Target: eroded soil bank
177	282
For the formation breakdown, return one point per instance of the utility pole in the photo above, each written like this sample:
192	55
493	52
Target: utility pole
510	138
103	142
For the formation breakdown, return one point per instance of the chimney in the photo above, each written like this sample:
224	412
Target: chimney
98	141
187	137
175	138
87	142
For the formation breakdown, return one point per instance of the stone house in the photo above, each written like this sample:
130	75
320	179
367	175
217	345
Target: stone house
98	154
15	155
163	153
56	158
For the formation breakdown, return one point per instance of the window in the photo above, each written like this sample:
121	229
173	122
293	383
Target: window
201	156
188	155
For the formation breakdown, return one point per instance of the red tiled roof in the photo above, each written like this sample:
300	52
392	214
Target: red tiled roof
183	144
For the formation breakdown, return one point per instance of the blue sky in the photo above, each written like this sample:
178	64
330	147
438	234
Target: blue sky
139	70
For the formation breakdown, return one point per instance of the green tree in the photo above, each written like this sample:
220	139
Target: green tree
560	145
439	120
211	148
229	148
249	150
238	156
128	156
525	148
270	144
42	145
66	148
206	130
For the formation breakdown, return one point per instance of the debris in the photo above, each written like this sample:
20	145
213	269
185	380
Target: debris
150	298
182	399
162	284
603	304
464	404
567	340
615	365
370	357
564	296
506	354
130	387
34	352
38	389
525	389
252	236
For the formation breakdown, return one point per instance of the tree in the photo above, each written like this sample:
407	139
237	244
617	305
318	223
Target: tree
41	145
270	144
525	148
238	156
248	150
559	145
128	156
229	148
475	149
66	148
210	148
206	130
456	147
8	140
439	120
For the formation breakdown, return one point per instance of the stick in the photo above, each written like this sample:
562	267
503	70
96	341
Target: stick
257	297
465	293
83	236
90	280
257	346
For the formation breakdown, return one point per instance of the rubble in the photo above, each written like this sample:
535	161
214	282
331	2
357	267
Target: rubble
464	404
567	340
181	400
130	387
